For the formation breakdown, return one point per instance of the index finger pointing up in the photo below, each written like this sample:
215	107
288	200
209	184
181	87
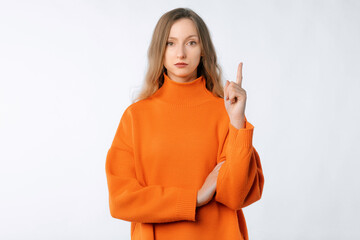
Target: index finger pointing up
239	74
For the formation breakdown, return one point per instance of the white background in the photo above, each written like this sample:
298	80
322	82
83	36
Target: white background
68	69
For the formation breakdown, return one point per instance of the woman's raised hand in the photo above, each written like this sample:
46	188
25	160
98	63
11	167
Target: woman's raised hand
208	188
235	99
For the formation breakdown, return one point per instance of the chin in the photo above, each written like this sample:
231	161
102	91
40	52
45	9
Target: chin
182	72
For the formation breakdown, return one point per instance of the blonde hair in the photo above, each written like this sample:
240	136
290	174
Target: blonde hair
208	66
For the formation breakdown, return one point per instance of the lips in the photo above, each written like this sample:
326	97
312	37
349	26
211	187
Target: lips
180	64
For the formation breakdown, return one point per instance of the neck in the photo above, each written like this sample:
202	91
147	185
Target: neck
188	78
183	93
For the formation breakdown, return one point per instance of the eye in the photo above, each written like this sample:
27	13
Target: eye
193	42
167	43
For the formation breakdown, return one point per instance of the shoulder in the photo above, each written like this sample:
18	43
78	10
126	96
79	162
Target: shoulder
217	103
138	107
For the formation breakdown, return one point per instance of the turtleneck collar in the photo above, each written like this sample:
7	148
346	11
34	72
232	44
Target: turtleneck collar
187	93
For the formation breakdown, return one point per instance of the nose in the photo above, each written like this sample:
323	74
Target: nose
181	52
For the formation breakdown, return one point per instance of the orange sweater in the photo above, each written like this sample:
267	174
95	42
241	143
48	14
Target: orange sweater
164	148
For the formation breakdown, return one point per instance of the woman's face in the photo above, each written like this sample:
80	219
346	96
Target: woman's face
182	46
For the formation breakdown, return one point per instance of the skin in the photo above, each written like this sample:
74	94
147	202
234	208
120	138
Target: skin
183	46
235	99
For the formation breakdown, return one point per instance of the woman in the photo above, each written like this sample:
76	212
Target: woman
182	164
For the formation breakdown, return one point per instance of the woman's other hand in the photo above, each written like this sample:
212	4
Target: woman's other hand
208	188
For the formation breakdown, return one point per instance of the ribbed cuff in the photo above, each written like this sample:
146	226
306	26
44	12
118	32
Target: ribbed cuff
242	136
186	204
219	182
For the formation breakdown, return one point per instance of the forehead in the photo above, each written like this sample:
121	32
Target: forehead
183	28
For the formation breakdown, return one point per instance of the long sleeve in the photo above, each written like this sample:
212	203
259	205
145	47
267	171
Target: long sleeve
240	180
131	201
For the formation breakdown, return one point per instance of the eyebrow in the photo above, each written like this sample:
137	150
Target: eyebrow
185	38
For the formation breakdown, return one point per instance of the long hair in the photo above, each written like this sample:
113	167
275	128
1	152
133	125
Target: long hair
208	66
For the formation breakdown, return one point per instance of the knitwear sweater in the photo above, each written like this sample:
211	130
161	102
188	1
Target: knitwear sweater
164	148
